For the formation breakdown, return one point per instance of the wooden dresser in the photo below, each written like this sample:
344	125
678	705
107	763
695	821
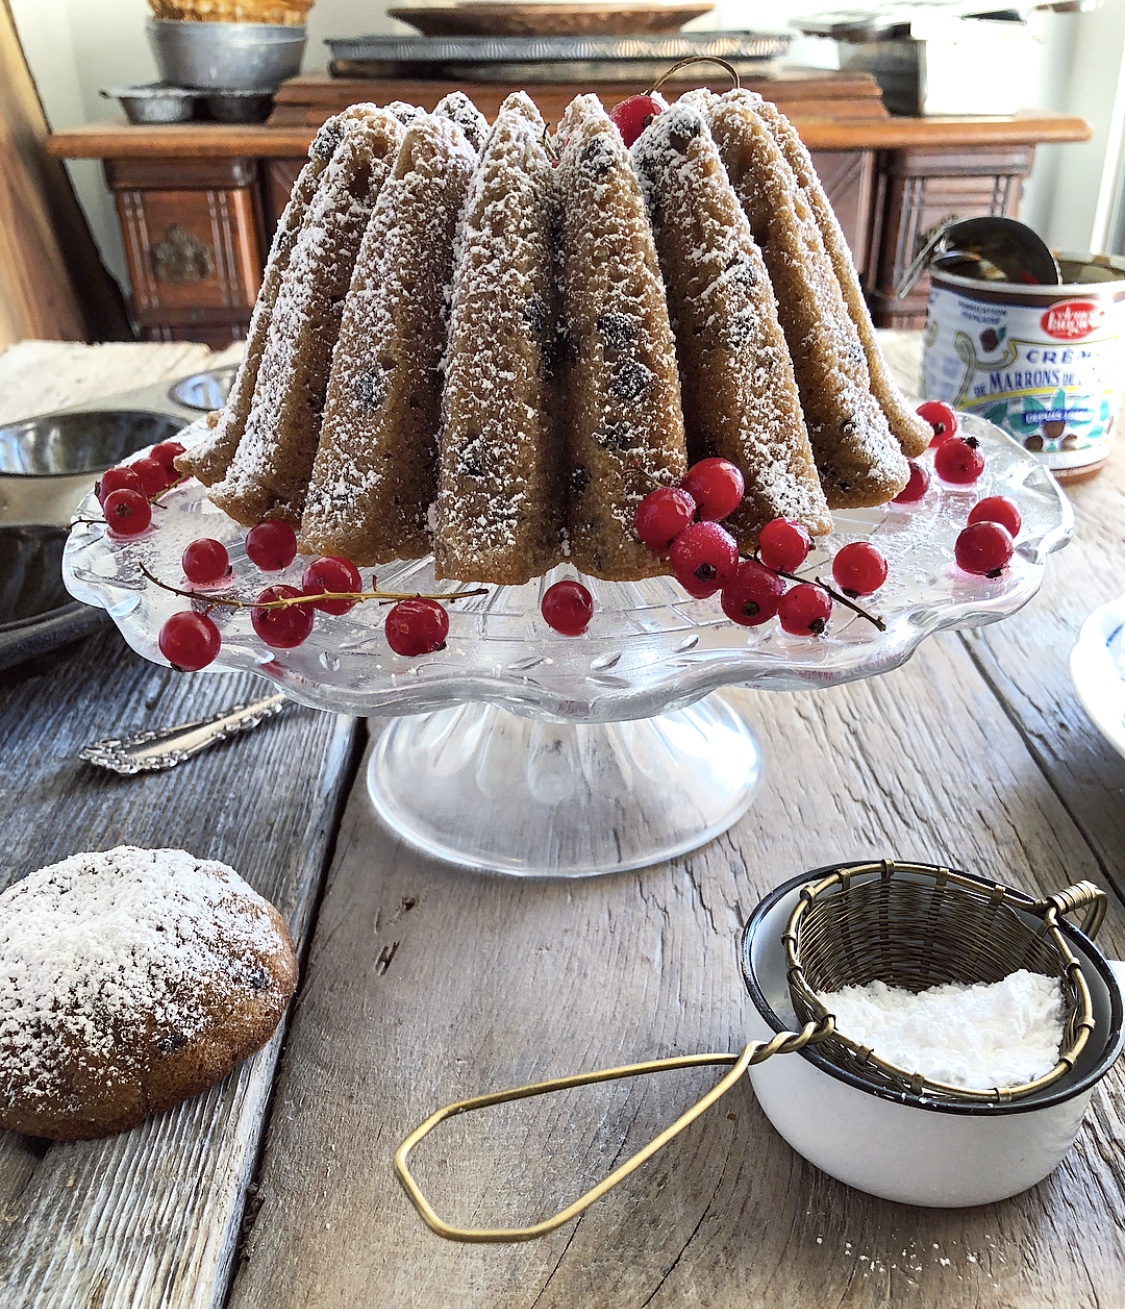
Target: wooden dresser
198	201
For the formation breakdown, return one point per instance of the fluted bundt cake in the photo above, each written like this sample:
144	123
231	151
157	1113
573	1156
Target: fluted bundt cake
492	344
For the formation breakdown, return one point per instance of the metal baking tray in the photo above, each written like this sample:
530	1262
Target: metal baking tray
527	74
462	50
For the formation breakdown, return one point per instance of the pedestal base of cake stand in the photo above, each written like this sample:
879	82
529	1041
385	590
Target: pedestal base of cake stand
484	788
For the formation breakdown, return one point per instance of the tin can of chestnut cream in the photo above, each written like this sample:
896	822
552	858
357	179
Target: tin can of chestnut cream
1045	363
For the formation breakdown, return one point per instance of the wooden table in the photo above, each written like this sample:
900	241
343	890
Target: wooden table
422	984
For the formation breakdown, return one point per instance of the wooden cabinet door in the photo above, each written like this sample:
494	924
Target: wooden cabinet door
193	237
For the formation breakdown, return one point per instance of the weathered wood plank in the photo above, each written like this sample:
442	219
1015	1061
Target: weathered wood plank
150	1218
425	985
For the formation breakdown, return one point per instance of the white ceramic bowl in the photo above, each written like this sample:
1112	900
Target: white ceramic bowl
901	1146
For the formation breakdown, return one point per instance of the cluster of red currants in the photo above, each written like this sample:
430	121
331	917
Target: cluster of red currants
684	522
126	491
985	546
283	616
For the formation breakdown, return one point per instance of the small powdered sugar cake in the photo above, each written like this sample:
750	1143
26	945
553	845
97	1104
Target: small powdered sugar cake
500	493
624	420
859	461
740	396
268	476
375	474
129	981
210	458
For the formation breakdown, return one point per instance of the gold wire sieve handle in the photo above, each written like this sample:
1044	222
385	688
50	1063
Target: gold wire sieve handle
1082	895
755	1053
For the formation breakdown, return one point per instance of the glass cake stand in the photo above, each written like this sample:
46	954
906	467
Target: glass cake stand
518	750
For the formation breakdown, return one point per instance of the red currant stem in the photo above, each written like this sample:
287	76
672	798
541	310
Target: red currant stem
836	595
155	499
549	146
230	602
697	59
656	482
851	604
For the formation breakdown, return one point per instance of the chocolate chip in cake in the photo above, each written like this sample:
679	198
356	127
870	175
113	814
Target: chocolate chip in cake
616	436
535	316
617	329
327	140
597	156
739	330
631	380
371	387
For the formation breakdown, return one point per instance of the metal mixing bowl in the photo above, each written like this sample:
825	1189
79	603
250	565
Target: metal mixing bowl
47	464
227	56
205	391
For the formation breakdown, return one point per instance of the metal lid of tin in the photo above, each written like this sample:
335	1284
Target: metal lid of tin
990	248
1082	274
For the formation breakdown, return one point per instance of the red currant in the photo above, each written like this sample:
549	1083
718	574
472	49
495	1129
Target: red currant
567	607
662	515
959	461
117	479
859	568
164	454
284	628
917	486
805	610
941	418
752	595
984	548
704	557
416	627
633	115
205	562
127	512
331	574
271	545
153	475
189	641
784	543
716	486
997	509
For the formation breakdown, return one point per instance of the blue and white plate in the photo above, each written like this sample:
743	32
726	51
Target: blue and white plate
1097	669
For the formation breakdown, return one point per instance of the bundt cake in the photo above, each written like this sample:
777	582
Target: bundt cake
269	474
491	344
210	459
859	461
375	473
623	414
736	376
500	497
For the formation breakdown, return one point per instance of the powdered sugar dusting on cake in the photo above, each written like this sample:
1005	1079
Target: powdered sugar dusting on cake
859	461
500	488
271	468
912	432
210	459
376	468
457	106
100	949
740	395
622	384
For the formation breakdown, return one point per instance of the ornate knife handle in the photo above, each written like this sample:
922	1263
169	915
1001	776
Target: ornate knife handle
166	747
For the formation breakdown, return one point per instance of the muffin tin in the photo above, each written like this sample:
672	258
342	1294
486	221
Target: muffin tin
162	102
